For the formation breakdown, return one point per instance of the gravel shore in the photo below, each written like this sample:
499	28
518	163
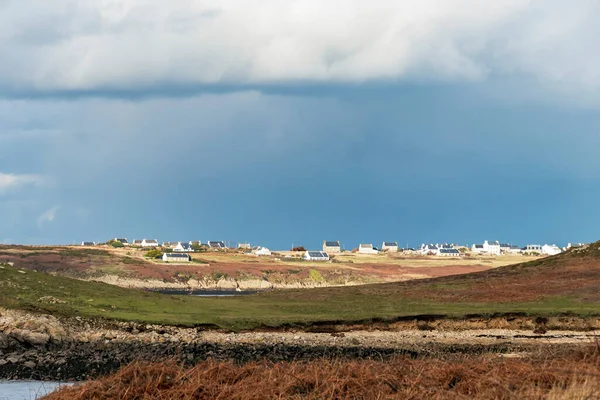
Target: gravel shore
47	348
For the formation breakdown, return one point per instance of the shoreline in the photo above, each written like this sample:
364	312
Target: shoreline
44	347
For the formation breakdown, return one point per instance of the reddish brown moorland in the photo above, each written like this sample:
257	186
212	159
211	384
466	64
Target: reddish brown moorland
548	375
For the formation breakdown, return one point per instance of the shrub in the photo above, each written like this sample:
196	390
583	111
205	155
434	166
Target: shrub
115	244
315	275
80	252
216	276
154	253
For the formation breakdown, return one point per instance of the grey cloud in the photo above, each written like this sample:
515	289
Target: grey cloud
120	48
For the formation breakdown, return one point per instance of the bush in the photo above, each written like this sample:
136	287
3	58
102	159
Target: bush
154	253
315	275
116	244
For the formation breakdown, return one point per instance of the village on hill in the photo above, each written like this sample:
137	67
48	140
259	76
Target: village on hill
178	251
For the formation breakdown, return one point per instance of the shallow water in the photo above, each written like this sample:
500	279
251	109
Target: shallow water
208	293
27	390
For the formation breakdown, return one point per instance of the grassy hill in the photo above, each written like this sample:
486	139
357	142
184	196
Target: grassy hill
564	284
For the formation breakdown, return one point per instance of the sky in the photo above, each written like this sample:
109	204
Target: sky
280	122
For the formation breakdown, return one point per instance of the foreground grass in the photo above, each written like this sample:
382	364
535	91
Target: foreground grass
548	375
23	290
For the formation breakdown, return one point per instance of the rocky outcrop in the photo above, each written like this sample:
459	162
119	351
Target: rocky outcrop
23	330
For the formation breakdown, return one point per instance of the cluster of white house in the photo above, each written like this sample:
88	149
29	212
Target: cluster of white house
453	250
175	246
497	248
334	246
448	250
180	249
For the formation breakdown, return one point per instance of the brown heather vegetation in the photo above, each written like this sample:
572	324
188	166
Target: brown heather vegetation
547	375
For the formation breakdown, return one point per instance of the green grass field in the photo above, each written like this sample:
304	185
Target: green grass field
22	289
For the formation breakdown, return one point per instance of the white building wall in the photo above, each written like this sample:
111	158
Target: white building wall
367	249
550	250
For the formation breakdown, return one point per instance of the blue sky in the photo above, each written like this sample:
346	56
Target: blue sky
281	122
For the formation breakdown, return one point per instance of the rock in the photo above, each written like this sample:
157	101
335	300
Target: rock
3	341
33	338
50	300
29	364
3	362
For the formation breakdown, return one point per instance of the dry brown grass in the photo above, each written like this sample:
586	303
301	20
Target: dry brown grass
575	375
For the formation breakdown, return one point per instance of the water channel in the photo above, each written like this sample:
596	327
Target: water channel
27	390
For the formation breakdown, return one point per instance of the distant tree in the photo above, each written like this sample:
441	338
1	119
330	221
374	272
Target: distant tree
154	253
116	244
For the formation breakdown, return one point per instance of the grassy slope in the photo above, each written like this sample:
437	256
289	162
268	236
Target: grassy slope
543	287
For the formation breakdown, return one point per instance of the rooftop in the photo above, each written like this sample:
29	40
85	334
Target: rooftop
177	255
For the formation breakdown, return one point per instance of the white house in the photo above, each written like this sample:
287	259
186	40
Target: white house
122	240
448	253
367	248
244	246
391	247
428	249
514	249
88	243
492	248
149	243
532	248
330	246
169	244
477	248
176	257
216	244
551	250
315	256
261	251
183	246
136	242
